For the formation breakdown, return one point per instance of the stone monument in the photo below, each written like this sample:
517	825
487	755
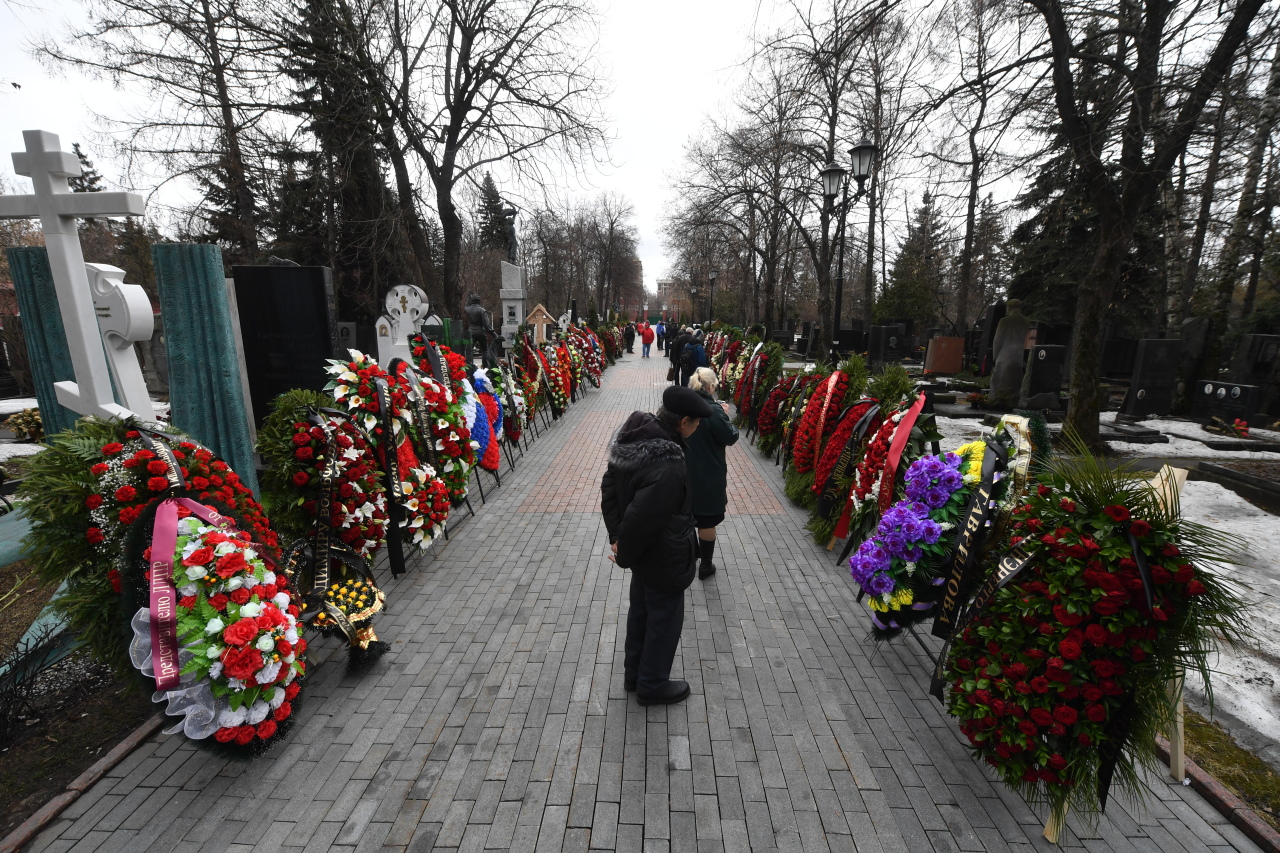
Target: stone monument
406	304
540	318
1008	347
513	297
58	208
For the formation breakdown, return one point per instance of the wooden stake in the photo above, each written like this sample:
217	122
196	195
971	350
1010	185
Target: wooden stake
1053	829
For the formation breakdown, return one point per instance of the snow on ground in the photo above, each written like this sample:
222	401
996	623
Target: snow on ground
12	449
17	404
1244	677
1185	439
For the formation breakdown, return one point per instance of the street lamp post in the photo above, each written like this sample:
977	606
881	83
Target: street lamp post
834	183
711	314
693	303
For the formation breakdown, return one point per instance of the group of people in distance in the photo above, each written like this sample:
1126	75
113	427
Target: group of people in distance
662	496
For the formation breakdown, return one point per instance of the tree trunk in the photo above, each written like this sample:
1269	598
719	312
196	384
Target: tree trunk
412	224
451	229
1094	296
236	173
1259	239
1192	270
1234	247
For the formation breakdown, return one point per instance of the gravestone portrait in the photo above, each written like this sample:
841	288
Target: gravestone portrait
346	337
1008	348
1043	380
1226	400
288	325
1155	377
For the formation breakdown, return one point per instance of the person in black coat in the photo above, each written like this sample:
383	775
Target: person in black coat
647	505
629	336
675	348
708	467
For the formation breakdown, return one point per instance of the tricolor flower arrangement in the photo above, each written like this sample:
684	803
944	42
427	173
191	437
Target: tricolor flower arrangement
488	428
1060	681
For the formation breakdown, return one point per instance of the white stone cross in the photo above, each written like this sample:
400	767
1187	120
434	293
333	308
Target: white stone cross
57	209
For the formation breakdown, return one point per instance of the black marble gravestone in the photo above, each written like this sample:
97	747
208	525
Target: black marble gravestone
288	325
1155	377
1226	400
1118	357
1256	359
1042	381
991	318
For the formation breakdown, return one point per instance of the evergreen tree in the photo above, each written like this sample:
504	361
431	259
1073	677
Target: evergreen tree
492	224
89	181
918	286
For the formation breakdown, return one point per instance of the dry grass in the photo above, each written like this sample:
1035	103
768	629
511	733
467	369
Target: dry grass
1243	773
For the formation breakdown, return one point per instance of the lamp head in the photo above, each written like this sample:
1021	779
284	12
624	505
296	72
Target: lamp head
863	156
832	176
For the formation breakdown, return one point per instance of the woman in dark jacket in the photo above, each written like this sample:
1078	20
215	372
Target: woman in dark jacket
648	510
708	470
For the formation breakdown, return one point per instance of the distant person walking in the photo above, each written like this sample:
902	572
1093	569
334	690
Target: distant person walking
647	504
629	337
646	339
660	331
692	356
708	469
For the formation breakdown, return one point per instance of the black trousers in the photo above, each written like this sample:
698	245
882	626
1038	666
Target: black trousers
653	635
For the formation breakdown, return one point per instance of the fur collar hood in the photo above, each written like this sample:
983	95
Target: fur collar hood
643	440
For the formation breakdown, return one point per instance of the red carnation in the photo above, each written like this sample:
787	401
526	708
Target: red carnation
241	662
240	596
1117	512
283	711
113	575
225	735
95	536
300	646
301	478
1139	528
99	469
291	692
93	501
1096	713
266	729
199	483
124	494
284	647
218	602
157	466
244	734
112	448
158	484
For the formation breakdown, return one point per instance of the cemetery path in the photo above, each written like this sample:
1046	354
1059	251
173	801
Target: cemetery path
499	721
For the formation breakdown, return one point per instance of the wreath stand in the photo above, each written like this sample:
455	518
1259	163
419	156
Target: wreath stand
1167	484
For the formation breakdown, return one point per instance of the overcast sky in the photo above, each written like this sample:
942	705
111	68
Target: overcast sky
671	63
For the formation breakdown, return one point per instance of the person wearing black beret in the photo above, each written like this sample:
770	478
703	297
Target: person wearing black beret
648	511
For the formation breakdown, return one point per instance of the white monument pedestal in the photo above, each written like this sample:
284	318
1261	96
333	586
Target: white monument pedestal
513	297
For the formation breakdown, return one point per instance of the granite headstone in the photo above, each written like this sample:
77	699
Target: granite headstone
1155	377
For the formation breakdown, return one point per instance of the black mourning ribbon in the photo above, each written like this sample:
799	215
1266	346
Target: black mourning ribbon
845	465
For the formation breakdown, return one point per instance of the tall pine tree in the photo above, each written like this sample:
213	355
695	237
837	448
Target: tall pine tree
492	224
917	289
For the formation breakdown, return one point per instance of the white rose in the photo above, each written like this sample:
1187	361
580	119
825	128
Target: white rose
253	608
265	643
215	626
189	589
234	582
195	572
214	652
281	600
225	548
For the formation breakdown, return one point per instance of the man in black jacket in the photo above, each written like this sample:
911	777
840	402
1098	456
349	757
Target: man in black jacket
648	511
676	348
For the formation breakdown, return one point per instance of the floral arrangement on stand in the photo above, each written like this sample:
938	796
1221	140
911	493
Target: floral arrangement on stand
823	411
1060	670
393	434
293	441
835	468
515	411
557	379
774	410
488	431
797	404
758	379
94	497
455	452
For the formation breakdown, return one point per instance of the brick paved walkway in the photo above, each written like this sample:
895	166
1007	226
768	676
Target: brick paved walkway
499	720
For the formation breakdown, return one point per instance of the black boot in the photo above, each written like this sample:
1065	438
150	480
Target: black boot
706	568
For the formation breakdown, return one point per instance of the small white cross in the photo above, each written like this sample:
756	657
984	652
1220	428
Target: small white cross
57	209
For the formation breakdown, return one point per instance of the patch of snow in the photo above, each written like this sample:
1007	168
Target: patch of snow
13	449
17	404
1185	441
1244	677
